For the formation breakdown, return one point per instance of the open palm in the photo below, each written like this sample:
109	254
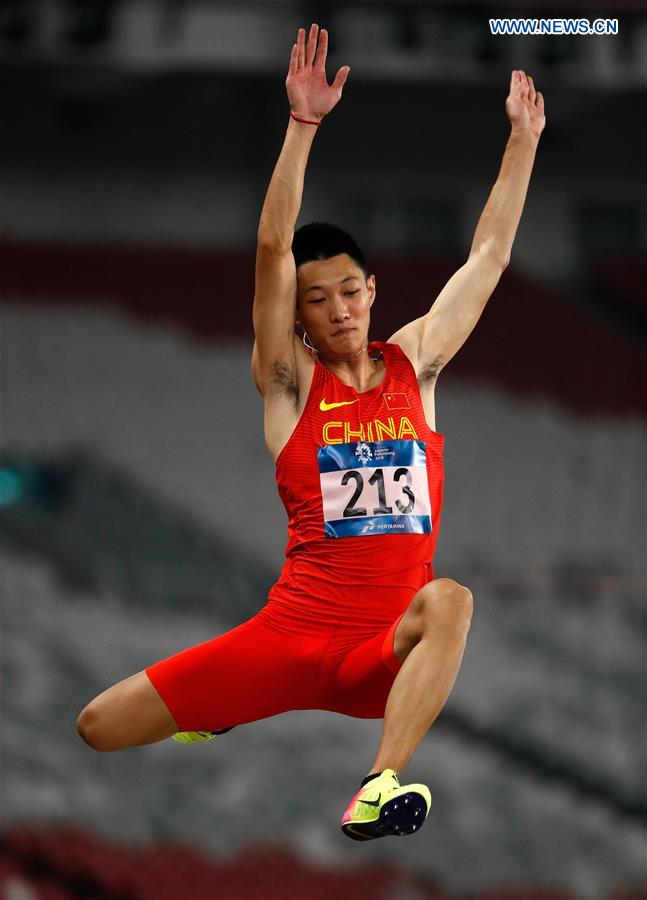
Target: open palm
524	105
309	93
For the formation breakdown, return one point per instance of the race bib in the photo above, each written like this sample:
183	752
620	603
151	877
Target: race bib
374	487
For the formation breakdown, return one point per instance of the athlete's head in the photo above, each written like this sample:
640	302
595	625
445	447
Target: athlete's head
334	292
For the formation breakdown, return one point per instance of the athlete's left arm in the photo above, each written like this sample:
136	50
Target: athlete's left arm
432	340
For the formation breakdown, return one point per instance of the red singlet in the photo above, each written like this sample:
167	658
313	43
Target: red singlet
361	480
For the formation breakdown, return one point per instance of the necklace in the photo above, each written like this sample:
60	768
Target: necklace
340	358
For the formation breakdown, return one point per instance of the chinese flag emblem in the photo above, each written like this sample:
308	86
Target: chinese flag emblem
397	401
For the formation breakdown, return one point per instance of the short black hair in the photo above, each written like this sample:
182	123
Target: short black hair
321	240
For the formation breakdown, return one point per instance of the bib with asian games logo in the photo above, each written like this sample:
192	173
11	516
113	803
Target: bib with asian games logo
374	488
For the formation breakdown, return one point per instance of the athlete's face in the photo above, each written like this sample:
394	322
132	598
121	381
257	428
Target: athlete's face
333	304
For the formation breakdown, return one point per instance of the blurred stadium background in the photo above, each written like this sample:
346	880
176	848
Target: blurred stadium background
138	141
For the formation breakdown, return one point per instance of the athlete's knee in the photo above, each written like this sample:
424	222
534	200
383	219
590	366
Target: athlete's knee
85	725
94	727
128	714
448	605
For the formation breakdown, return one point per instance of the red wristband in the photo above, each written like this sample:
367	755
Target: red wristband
305	121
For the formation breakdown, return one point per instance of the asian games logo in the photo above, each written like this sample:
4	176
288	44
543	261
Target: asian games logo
364	453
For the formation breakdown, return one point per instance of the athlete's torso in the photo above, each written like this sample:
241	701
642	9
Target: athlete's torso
361	474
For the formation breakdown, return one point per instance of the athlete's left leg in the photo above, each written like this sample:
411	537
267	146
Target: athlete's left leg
423	649
429	641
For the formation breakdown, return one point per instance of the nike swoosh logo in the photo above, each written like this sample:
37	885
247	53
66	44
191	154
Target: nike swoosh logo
372	802
326	406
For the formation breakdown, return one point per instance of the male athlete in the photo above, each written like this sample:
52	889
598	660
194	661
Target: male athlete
356	623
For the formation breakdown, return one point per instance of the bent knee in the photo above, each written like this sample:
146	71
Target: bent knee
128	714
94	729
449	604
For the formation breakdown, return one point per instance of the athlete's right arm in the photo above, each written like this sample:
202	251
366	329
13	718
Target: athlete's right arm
311	98
273	362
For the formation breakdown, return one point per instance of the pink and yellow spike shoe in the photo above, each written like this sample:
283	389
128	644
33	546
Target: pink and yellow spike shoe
384	807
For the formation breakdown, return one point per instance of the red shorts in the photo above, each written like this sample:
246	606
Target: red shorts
255	671
285	658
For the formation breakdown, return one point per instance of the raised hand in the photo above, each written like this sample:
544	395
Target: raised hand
310	95
524	105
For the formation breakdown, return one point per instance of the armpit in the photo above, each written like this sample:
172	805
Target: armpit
429	372
284	379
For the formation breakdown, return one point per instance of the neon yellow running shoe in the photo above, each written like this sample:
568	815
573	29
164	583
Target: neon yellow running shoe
191	737
384	807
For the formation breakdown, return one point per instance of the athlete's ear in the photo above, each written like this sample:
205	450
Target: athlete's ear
370	284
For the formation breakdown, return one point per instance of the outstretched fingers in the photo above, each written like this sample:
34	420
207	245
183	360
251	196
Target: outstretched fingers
311	52
523	86
306	83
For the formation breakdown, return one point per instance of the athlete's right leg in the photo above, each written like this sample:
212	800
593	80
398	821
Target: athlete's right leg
128	714
246	674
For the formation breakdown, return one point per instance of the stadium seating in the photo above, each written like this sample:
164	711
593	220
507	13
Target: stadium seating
537	768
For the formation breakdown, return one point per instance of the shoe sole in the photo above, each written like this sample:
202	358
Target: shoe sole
400	816
204	736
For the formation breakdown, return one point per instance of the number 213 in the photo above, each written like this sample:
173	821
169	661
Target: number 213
378	478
